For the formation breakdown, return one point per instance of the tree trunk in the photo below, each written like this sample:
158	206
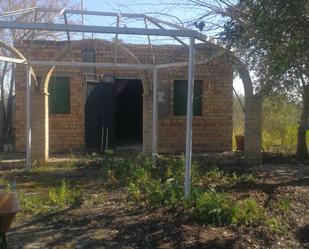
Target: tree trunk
302	150
2	107
10	101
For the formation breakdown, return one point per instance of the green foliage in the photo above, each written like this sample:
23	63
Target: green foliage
161	185
279	124
213	207
272	36
168	194
221	209
64	196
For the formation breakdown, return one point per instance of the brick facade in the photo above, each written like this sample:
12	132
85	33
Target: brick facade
211	132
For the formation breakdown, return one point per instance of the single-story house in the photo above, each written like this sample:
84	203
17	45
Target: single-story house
77	109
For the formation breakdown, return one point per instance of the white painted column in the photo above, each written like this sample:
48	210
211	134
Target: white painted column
189	117
28	80
155	115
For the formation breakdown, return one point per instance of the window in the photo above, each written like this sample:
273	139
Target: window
180	97
59	95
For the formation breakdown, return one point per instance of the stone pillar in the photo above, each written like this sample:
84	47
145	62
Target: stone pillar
40	126
147	80
253	129
1	120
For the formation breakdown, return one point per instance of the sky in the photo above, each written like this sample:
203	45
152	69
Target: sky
163	9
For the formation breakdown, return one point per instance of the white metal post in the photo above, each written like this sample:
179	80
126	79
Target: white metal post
28	80
83	22
189	117
155	115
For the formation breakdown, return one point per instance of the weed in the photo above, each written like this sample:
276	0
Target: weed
275	226
283	204
213	207
248	212
5	184
134	192
33	204
64	196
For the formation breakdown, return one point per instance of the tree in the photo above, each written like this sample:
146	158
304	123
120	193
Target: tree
7	70
272	36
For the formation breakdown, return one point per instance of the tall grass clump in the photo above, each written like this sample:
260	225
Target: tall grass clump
64	196
56	198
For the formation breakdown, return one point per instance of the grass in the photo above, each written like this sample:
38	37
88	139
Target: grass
58	198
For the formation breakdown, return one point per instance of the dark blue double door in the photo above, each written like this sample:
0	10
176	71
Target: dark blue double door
99	116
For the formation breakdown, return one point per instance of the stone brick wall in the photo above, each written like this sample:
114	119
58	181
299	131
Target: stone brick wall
211	132
67	130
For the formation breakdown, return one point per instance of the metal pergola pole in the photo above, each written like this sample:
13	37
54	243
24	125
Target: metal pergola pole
189	117
155	115
28	80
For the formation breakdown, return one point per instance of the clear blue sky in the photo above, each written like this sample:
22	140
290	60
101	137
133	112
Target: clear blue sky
179	8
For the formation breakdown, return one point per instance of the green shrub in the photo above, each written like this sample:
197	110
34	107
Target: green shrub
221	209
168	194
64	196
212	207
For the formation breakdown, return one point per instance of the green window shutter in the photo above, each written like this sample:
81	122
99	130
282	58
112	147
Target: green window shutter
59	95
180	98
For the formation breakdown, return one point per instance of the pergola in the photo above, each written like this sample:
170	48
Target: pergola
179	34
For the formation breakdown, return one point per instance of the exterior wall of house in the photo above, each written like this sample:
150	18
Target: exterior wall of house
211	132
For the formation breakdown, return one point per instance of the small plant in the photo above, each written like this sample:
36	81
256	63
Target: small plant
33	204
275	226
283	204
213	207
248	212
5	184
134	192
64	196
168	194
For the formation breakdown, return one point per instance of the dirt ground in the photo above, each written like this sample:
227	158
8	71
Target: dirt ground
106	219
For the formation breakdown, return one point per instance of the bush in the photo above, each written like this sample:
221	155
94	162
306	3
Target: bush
168	194
212	207
219	208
